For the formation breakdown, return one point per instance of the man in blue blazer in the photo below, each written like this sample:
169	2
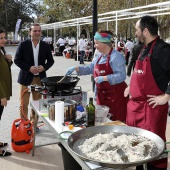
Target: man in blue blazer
34	58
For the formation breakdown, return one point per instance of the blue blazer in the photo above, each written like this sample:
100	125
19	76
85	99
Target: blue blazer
24	59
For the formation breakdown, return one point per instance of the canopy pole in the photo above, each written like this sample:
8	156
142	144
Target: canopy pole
78	33
116	33
54	38
95	21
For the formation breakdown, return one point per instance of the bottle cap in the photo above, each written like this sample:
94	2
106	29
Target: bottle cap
90	99
66	123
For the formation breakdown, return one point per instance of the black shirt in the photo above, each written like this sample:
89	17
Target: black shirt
133	57
160	64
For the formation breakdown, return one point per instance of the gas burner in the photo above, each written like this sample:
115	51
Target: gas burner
64	92
47	92
36	87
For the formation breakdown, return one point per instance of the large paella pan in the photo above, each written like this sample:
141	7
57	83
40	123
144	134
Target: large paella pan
78	138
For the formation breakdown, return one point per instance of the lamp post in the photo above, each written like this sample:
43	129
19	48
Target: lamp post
95	24
95	20
130	28
6	16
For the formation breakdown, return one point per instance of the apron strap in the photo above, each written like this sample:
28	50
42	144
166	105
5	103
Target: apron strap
108	56
151	49
153	44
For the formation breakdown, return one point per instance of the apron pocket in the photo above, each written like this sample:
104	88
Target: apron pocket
136	113
139	118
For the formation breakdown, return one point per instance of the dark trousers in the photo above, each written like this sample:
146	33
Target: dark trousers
127	57
61	49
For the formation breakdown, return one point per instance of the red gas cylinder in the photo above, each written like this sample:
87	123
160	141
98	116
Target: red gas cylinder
22	135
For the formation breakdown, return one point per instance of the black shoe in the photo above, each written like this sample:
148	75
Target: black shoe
5	153
37	130
3	145
140	167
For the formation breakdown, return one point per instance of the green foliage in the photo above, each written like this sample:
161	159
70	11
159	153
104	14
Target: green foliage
49	11
60	10
12	10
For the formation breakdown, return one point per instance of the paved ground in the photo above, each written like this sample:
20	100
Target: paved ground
58	69
11	113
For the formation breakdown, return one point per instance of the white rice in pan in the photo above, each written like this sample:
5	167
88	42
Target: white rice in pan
103	147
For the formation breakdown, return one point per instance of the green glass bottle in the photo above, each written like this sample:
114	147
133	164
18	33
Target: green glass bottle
90	109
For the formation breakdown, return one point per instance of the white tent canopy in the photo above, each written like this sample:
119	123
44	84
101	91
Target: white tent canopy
161	8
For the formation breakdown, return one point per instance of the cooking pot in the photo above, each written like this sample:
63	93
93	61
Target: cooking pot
69	109
53	84
77	138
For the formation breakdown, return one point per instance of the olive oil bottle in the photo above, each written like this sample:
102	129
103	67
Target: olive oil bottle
90	109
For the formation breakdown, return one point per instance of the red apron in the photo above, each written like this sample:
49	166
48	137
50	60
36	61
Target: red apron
121	45
139	113
111	96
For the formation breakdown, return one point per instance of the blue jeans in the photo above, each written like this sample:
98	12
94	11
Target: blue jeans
82	56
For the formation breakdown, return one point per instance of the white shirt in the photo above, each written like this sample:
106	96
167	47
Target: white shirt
128	45
67	49
82	44
61	42
35	52
71	42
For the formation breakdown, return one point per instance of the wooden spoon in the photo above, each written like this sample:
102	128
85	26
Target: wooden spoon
62	79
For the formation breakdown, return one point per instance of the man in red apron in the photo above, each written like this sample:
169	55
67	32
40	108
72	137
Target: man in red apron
121	45
149	89
109	71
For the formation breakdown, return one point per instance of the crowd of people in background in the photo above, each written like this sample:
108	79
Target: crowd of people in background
67	47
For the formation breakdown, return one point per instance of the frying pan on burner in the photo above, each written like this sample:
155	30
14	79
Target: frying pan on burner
68	83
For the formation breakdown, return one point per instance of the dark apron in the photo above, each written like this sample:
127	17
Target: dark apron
111	96
139	113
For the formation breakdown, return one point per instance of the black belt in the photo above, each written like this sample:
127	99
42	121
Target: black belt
36	75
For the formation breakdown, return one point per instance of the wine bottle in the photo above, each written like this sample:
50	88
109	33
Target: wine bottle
90	109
